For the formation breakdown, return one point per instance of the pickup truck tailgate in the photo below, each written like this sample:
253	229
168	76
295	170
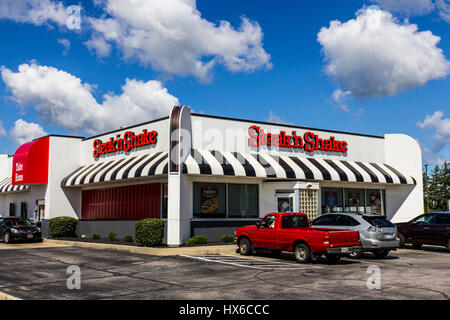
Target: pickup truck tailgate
341	237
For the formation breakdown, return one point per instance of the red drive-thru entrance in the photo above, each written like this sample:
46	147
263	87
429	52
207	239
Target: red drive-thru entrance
30	163
122	203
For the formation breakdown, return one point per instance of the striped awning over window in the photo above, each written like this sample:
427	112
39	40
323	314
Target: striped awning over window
223	163
7	186
116	170
291	167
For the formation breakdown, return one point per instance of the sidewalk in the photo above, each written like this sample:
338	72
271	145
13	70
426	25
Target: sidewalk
199	250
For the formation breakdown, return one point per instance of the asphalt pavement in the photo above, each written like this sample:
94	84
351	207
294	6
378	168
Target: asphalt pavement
48	273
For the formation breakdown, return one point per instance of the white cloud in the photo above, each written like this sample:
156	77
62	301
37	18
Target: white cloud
171	36
339	97
99	45
37	12
441	127
444	9
276	119
61	99
376	56
407	7
66	44
23	131
2	130
430	157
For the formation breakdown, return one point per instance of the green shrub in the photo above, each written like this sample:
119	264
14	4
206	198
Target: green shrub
149	232
227	238
128	238
63	227
112	236
96	236
190	242
199	239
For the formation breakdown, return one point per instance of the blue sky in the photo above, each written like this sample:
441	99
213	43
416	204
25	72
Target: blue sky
272	69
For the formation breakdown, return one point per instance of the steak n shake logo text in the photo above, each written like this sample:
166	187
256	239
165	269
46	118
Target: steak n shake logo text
128	142
19	168
309	142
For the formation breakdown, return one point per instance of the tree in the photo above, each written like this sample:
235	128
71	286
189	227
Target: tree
437	188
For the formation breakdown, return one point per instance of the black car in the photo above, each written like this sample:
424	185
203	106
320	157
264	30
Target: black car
17	228
430	228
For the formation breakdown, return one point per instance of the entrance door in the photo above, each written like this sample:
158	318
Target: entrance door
285	202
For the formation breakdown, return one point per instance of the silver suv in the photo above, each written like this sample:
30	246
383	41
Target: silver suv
377	234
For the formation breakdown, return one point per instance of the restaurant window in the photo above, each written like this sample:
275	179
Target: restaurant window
12	209
332	200
375	201
242	200
354	200
164	197
209	200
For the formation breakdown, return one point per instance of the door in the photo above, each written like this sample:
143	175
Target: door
264	236
440	229
285	202
420	229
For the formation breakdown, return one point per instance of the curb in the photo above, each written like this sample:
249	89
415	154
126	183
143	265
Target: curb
149	250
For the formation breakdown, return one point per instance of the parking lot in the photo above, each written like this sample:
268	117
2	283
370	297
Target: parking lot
41	273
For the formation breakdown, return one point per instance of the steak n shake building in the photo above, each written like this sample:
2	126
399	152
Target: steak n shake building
208	175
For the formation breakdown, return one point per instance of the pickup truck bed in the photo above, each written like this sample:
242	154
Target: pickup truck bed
292	232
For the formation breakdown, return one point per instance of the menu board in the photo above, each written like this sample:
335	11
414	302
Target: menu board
209	199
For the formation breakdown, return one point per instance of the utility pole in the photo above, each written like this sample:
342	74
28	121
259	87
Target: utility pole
426	185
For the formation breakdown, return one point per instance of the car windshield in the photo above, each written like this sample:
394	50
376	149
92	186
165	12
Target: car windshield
18	222
379	222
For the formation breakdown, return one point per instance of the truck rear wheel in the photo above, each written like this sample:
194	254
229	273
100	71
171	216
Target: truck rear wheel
245	247
302	253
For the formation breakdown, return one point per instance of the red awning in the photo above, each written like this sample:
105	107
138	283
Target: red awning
30	163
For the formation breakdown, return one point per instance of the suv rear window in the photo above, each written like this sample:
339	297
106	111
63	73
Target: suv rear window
294	222
379	222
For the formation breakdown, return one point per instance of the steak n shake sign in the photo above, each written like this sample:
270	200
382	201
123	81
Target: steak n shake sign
129	141
309	142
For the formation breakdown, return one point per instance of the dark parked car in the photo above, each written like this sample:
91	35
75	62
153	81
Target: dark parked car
430	228
17	228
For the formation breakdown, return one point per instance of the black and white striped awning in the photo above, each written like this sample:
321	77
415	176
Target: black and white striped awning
120	169
223	163
291	167
7	186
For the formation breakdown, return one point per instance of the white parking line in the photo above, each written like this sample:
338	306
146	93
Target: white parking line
248	262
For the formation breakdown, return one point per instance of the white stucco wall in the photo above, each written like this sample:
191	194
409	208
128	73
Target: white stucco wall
64	158
404	202
233	135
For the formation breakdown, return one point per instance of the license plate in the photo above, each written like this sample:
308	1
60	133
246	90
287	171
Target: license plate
388	236
344	249
29	236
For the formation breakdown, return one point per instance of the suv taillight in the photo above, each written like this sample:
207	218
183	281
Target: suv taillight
326	239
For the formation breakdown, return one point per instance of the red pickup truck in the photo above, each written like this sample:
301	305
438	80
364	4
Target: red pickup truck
292	232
